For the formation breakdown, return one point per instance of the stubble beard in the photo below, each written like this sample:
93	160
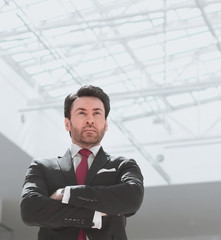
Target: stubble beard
87	139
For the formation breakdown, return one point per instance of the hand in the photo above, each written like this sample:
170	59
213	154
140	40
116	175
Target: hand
58	195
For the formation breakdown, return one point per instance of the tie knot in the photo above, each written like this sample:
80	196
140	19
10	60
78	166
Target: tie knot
85	152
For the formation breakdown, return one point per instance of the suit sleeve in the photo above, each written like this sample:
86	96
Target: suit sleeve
123	198
38	209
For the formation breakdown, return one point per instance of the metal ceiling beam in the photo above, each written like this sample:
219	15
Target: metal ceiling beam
155	92
124	43
167	91
139	147
19	70
101	75
72	20
170	109
113	40
179	141
46	45
149	32
209	24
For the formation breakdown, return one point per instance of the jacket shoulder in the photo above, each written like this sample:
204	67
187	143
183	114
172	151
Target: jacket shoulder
44	162
50	160
122	161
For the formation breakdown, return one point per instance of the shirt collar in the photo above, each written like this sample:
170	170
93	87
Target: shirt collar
75	149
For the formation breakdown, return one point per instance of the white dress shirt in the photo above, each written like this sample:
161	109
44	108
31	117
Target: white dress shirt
97	220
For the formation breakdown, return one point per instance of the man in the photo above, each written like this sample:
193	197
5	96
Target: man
77	196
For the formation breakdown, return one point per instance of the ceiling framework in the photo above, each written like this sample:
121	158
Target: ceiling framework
153	58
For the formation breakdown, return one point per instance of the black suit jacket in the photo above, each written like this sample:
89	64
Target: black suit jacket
113	186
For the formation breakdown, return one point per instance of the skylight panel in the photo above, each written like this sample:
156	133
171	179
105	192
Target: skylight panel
98	53
205	94
158	22
124	59
116	48
56	74
179	46
171	16
213	66
36	69
111	63
22	57
173	3
193	70
121	104
92	67
43	79
59	31
75	39
40	12
188	13
53	64
174	35
142	5
202	39
158	78
58	92
149	53
156	68
180	62
108	60
213	7
134	109
156	15
135	27
83	5
10	21
155	104
210	55
46	79
142	42
10	44
179	100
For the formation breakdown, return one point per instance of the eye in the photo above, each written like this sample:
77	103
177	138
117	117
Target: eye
81	113
97	113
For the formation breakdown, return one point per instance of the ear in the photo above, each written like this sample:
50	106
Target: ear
106	125
67	124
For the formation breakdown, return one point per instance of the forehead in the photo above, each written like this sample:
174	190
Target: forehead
87	103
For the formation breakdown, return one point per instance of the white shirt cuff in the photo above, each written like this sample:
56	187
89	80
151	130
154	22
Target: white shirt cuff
67	194
97	220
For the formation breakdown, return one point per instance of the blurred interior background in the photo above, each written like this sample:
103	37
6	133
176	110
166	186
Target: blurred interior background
160	63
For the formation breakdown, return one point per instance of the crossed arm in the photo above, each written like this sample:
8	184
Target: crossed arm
40	208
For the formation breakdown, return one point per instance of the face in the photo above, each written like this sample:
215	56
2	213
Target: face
87	123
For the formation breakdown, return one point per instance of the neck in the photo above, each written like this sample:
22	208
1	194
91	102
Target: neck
86	146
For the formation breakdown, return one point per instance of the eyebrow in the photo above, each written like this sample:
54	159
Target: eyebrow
98	109
83	109
80	109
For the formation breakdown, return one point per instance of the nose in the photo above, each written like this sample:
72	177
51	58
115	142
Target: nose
90	120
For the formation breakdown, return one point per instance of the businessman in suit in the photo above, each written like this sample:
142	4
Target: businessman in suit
86	194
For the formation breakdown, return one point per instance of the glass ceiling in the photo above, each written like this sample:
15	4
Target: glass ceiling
160	62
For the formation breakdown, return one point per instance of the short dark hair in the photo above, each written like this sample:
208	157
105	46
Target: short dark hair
86	91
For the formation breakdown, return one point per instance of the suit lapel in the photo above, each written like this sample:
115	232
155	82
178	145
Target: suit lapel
99	161
66	166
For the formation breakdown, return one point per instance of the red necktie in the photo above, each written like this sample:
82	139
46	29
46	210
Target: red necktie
81	173
82	169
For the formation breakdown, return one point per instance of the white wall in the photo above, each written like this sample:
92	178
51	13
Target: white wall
13	166
0	210
188	211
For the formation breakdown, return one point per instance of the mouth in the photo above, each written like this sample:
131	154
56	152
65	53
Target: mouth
90	130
